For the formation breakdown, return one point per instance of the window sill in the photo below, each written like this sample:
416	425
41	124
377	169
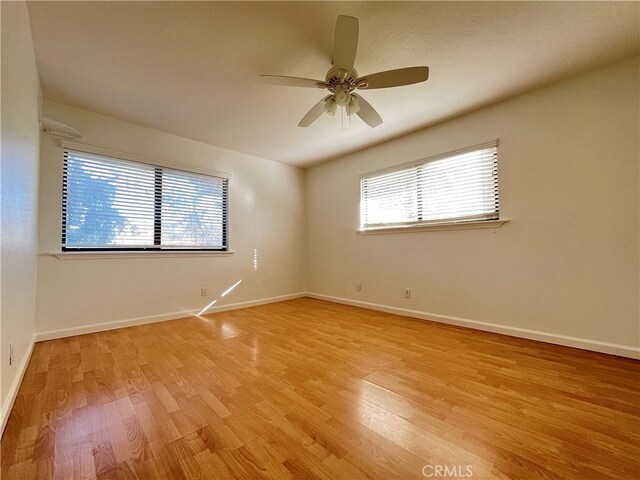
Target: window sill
164	254
435	227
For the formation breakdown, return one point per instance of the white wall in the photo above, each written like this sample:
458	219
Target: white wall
566	264
19	184
267	213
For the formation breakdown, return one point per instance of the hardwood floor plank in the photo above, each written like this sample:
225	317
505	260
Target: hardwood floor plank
311	389
212	466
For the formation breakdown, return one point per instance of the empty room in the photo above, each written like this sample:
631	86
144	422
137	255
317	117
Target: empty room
320	240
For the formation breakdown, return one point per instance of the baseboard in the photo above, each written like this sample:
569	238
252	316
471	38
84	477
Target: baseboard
568	341
15	386
254	303
130	322
564	340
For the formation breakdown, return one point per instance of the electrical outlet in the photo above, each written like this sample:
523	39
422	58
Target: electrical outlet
407	293
10	353
358	287
203	292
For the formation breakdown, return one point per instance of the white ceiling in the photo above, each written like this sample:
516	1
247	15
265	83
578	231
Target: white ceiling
191	68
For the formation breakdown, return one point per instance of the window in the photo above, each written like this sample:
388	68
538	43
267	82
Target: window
114	205
456	187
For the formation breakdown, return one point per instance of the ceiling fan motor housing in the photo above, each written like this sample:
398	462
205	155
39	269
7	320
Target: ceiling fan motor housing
337	76
341	82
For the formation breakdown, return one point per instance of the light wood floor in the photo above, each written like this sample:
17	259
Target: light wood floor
310	389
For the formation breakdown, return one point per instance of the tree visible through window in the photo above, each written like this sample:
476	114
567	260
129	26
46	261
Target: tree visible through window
114	204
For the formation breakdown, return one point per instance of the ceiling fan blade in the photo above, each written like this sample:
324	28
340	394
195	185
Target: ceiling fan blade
367	113
313	114
292	81
345	42
393	78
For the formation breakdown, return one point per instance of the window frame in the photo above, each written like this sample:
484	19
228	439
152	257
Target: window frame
158	165
420	224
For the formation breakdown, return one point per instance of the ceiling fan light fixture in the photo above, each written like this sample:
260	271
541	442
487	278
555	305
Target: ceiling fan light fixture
330	106
353	106
342	97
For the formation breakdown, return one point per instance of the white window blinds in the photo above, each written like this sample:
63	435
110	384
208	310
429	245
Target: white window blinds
114	204
456	187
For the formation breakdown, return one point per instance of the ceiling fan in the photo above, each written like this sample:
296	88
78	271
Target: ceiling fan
342	79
